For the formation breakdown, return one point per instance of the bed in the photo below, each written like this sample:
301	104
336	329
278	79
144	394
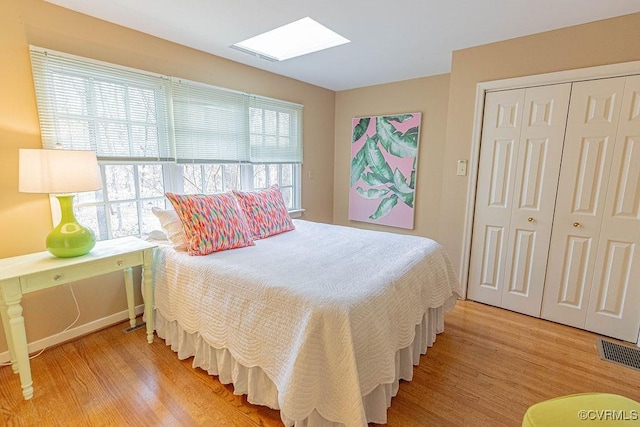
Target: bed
320	322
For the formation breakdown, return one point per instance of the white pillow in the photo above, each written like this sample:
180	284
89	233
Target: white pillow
172	226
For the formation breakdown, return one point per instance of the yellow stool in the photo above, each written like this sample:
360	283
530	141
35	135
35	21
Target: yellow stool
584	410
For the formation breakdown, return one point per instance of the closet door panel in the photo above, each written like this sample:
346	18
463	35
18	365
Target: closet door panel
498	153
582	191
614	307
536	181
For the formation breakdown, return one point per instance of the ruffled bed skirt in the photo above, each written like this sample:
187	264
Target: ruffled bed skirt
260	390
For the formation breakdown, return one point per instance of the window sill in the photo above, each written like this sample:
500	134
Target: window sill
296	213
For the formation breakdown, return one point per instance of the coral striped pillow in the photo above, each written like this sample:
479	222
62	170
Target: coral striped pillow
212	222
265	211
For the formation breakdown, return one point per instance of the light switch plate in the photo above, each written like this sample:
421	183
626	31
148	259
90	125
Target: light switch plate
461	169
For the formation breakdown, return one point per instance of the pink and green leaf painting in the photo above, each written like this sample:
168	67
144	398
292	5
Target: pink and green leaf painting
384	155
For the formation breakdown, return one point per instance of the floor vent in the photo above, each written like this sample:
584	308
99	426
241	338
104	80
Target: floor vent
134	328
620	354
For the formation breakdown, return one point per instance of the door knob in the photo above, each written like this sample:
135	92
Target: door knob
531	219
577	225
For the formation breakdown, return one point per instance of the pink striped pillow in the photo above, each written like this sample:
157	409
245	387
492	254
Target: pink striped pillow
265	211
212	222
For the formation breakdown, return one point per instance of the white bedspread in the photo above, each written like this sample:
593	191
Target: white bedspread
322	309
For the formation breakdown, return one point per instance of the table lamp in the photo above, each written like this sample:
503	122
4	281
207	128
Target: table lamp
62	172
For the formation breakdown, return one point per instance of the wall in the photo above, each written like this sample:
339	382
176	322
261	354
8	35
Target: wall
599	43
25	219
428	96
447	103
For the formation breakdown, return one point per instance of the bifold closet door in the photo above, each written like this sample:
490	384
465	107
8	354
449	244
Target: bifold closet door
614	307
520	152
492	216
593	272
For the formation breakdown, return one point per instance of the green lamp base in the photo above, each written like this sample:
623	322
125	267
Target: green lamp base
69	239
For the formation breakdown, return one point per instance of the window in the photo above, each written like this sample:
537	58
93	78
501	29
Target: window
285	175
216	178
208	178
123	206
154	134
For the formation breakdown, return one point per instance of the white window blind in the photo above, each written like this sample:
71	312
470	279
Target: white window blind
275	131
88	105
130	115
218	125
210	124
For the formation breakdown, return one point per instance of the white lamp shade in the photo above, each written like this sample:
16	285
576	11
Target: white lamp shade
58	171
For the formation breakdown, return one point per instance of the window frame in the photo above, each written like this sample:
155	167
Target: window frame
75	91
172	181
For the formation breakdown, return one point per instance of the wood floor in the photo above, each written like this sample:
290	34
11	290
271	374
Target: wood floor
485	370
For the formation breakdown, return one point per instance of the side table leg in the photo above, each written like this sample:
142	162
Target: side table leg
19	337
128	286
7	332
147	284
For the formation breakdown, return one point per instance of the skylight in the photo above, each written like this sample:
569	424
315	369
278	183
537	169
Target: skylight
291	40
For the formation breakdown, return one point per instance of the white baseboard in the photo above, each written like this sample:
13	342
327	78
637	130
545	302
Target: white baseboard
76	332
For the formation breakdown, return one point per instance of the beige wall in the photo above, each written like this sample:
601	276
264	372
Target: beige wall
428	96
599	43
25	219
446	102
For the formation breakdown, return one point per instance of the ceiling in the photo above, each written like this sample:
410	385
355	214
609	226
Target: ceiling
390	41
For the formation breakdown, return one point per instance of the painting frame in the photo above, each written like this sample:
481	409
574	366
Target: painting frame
384	160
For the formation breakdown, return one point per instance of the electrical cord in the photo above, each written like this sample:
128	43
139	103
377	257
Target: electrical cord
59	333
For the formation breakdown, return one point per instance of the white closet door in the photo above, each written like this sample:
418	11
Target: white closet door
614	307
523	133
582	190
498	154
536	181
